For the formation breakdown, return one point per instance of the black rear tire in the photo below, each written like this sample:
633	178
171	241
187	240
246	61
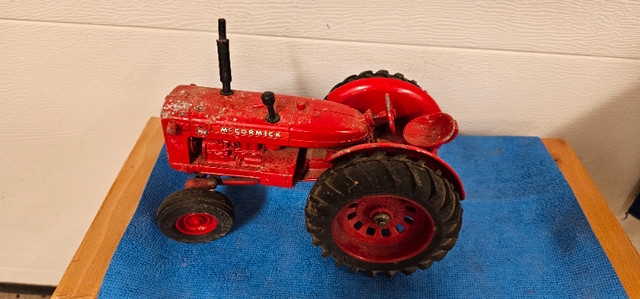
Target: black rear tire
383	179
179	213
371	74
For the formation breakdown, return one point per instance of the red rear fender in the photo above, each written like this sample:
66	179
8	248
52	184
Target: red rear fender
408	100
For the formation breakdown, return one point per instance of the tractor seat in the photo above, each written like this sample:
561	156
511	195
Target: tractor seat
430	130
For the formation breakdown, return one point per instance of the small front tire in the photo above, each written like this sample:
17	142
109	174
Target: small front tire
195	216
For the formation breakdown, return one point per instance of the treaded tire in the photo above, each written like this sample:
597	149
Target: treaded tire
363	177
203	202
371	74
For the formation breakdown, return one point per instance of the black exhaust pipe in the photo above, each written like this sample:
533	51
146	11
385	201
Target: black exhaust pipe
224	61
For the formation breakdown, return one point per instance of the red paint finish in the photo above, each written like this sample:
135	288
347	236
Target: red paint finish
238	181
327	124
196	224
209	133
431	130
235	137
407	230
408	101
202	112
201	183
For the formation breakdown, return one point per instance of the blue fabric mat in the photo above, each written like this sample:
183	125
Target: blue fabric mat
523	235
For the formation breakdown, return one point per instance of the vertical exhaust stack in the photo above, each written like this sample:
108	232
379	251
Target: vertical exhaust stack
224	61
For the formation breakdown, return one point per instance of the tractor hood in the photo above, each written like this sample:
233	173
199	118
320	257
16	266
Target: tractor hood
304	122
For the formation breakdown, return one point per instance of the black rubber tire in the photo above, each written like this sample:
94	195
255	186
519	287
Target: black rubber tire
371	74
389	175
195	200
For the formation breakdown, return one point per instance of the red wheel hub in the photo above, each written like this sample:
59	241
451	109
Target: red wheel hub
383	229
196	223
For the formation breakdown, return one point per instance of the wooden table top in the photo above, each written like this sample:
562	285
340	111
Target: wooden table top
86	270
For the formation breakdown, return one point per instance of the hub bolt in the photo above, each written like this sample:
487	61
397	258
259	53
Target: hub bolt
381	219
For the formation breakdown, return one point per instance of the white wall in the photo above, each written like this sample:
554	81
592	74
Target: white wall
78	80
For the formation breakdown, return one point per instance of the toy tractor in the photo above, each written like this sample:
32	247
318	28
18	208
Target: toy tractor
383	201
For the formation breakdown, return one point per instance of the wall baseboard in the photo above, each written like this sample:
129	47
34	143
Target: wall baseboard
26	288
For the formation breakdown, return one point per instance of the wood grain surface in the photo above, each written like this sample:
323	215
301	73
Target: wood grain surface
86	271
88	266
592	27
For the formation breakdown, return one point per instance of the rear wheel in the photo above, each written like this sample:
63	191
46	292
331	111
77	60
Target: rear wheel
195	215
383	214
371	74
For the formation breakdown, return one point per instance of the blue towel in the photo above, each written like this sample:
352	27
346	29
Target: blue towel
523	235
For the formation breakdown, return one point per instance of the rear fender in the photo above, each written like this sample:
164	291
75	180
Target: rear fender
414	153
408	100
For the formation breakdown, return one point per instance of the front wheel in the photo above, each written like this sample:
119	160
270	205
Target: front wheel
383	214
195	215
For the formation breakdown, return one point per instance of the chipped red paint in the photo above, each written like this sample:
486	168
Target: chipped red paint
240	117
235	137
201	183
431	130
208	133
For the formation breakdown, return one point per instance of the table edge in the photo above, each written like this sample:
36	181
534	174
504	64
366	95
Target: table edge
624	257
91	263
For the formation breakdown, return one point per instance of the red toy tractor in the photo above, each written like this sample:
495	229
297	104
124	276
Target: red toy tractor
383	201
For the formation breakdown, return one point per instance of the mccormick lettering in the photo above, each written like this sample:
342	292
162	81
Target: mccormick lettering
252	132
